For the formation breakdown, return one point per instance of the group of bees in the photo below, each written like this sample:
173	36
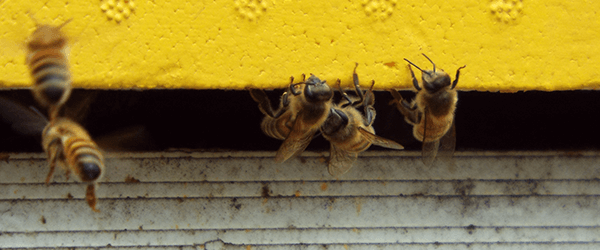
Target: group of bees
305	110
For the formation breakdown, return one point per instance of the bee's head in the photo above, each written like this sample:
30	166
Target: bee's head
47	36
433	81
336	120
316	90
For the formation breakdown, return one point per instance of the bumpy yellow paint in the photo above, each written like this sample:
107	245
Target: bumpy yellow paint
507	45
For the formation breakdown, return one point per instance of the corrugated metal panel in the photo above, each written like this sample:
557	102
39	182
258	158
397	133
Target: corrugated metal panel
243	200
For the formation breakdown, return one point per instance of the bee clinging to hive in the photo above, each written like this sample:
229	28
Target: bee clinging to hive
64	141
49	67
432	112
299	116
351	132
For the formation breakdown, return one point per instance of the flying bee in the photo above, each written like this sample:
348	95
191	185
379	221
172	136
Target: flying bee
432	112
64	141
49	67
349	132
299	116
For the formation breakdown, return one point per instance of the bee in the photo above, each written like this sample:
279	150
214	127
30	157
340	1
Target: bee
299	116
350	132
64	141
47	52
432	112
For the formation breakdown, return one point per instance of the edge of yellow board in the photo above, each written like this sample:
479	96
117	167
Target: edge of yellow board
507	45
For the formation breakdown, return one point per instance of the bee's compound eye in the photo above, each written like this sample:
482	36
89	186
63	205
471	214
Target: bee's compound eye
89	171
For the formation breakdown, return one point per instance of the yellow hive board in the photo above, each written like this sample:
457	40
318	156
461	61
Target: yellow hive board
507	45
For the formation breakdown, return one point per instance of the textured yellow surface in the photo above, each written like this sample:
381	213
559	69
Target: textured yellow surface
507	45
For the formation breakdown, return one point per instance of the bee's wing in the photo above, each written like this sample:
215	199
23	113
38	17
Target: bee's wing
379	141
430	148
23	120
340	161
429	152
447	145
79	105
298	139
134	138
293	145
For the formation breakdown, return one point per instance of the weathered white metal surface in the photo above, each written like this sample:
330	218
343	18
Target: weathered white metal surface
243	200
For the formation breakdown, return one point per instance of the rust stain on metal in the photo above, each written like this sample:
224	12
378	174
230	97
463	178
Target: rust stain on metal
573	153
131	179
302	160
297	193
324	186
265	191
330	203
358	202
4	157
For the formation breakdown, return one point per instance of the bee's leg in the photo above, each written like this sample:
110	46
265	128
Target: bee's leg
456	78
283	104
370	114
414	79
53	112
52	167
410	112
292	88
369	101
344	95
54	153
68	174
90	197
397	97
369	97
359	93
264	104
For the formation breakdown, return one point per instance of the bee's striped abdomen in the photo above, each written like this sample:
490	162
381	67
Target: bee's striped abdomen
50	71
85	157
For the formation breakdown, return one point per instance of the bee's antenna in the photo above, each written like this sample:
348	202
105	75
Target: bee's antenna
425	72
413	64
65	23
33	18
430	61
